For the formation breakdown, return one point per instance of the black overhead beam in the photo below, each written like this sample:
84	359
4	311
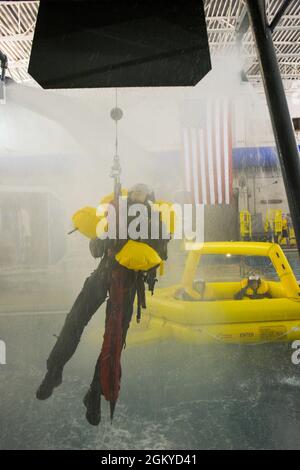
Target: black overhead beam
281	11
283	129
242	24
243	21
3	66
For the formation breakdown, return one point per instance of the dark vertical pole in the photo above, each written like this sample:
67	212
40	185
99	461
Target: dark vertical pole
3	64
281	120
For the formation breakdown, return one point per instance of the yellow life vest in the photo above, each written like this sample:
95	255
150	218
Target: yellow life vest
138	256
85	220
134	255
262	289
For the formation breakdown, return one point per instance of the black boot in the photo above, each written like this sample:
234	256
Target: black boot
92	402
52	379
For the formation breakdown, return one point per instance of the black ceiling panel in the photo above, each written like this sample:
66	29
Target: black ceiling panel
119	43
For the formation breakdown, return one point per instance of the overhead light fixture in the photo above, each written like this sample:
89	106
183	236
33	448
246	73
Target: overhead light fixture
112	43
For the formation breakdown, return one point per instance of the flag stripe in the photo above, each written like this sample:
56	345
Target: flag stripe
230	151
186	150
208	200
195	165
214	146
218	151
199	168
210	154
203	197
226	152
222	149
207	150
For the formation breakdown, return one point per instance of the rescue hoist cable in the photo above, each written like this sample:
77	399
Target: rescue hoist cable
116	114
115	172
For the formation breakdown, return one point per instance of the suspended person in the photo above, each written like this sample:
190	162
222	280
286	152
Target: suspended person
121	285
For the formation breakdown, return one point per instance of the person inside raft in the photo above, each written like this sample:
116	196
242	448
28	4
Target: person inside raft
195	294
147	255
253	288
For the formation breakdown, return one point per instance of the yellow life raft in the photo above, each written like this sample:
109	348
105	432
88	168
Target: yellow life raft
215	315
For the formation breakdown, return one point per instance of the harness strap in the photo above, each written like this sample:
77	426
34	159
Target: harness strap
141	297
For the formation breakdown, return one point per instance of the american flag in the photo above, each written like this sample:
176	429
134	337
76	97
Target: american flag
207	147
